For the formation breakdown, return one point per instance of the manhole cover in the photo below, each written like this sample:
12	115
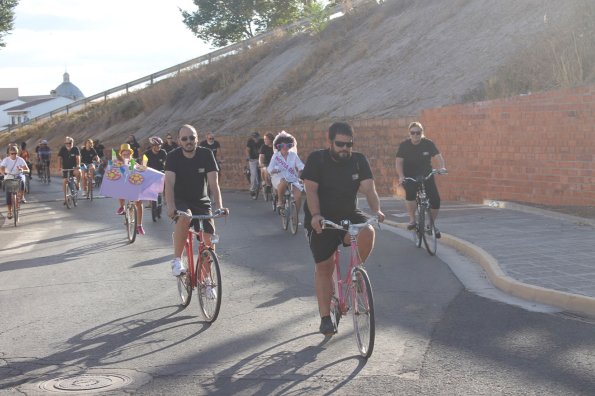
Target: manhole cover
86	383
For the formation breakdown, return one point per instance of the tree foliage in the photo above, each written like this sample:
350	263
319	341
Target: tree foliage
222	22
6	18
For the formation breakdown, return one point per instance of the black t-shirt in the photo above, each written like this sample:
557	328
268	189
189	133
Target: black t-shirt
417	158
338	183
169	147
99	148
87	156
191	175
268	153
213	147
254	147
69	157
156	161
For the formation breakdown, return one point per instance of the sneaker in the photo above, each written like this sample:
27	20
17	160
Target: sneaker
411	226
120	210
23	200
9	215
438	235
252	194
326	326
210	291
177	268
140	230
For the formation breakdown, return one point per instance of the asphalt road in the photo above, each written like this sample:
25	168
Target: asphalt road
83	309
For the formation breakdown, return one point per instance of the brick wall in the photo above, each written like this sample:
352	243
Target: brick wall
535	148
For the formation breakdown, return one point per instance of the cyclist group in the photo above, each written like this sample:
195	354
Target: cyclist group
332	178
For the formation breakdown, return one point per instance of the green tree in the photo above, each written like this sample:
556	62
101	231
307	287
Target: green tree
222	22
6	18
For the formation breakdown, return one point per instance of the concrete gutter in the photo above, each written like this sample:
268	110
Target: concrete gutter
576	303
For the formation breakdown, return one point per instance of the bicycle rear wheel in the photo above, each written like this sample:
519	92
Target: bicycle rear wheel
362	309
294	218
185	280
430	233
130	221
209	287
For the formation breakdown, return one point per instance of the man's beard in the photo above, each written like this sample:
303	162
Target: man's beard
343	156
193	147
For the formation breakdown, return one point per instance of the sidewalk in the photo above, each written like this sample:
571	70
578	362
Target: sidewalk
530	253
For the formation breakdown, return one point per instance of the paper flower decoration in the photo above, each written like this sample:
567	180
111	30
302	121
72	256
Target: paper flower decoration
136	179
113	174
140	168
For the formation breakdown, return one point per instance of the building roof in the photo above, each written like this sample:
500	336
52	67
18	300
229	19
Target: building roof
28	104
68	89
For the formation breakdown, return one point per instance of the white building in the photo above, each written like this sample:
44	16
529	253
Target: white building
15	110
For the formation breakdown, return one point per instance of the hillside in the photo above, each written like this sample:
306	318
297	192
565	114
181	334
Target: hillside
382	61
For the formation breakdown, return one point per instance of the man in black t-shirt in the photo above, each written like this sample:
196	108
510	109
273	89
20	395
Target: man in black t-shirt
188	170
332	178
215	147
252	152
264	159
155	154
70	158
99	148
169	143
414	159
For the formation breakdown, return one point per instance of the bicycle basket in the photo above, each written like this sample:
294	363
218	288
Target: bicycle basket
12	185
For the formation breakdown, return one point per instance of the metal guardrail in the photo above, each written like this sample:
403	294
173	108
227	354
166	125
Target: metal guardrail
207	58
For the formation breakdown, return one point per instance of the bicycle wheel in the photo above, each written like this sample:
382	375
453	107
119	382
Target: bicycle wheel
185	280
130	220
419	228
209	285
294	218
27	184
430	233
73	192
68	199
15	208
362	309
335	311
285	216
256	192
154	210
274	202
90	188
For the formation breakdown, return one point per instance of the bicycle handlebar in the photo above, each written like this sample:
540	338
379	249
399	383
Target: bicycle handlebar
347	224
432	173
216	214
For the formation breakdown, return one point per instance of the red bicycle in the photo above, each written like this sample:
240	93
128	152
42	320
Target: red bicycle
354	292
205	275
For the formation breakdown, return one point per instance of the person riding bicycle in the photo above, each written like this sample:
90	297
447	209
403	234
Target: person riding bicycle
215	147
44	156
252	151
264	159
88	157
414	159
69	157
332	178
285	167
13	167
125	155
155	155
169	144
188	170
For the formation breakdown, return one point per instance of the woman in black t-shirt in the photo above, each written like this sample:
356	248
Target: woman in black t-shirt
414	159
88	155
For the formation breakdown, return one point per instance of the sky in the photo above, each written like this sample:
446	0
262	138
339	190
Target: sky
100	43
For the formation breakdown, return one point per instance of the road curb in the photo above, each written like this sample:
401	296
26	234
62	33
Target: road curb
576	303
538	211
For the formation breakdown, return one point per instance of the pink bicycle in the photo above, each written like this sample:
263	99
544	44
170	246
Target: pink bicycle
354	292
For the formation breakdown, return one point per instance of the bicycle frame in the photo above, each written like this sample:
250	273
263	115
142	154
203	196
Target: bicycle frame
189	246
342	285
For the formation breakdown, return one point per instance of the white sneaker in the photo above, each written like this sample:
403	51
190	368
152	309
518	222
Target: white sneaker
210	291
177	268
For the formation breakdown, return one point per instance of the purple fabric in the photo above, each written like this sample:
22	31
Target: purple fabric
140	184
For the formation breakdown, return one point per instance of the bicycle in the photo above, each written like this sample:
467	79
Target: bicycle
72	191
205	276
130	220
44	172
13	186
425	228
354	292
90	179
156	207
289	212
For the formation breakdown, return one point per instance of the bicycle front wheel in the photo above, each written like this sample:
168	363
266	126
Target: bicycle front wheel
285	215
185	280
209	285
362	309
15	208
90	188
294	218
130	219
430	233
154	210
419	229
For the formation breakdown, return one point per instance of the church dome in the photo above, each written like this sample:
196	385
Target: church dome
68	89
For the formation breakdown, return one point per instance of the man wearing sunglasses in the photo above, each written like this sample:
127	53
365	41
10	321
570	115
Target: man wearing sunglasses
414	159
333	177
69	157
189	169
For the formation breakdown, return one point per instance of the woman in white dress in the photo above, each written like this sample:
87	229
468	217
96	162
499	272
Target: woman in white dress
286	166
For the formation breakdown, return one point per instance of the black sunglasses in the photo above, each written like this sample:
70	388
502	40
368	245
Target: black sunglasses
343	144
186	138
415	132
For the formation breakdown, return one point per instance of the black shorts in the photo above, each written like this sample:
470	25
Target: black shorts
67	174
323	245
431	192
208	225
